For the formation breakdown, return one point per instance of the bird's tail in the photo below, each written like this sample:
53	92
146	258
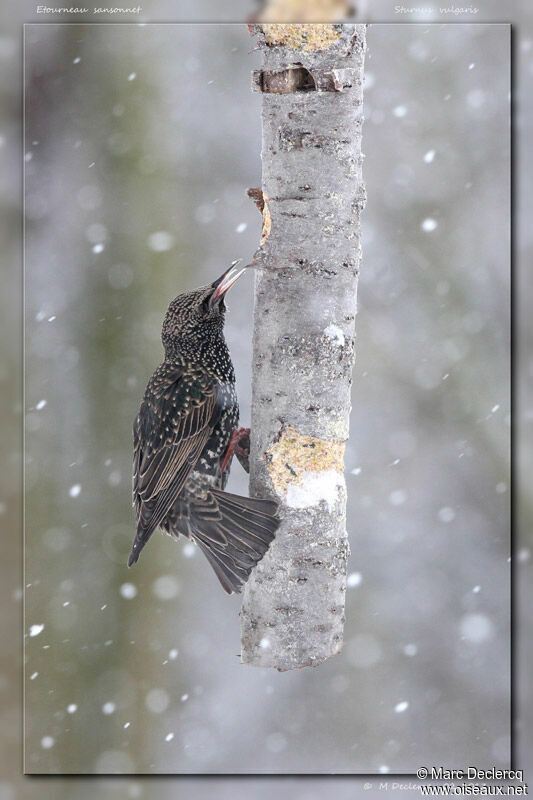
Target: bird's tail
234	533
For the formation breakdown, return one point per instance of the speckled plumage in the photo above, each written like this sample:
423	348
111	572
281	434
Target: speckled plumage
181	435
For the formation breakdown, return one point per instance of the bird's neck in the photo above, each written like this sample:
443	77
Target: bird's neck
209	355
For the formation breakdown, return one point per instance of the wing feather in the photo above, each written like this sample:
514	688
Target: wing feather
177	415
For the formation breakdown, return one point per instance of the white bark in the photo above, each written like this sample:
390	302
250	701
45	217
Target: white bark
304	329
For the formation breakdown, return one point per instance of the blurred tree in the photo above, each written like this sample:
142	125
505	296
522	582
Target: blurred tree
312	196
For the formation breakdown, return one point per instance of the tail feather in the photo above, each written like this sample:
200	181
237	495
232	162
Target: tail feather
241	554
234	532
247	527
229	576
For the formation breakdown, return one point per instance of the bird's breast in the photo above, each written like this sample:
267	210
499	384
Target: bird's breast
208	465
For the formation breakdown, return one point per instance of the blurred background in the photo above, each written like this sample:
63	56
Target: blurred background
373	578
140	143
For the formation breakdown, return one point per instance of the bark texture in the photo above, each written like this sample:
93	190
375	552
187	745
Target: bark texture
304	328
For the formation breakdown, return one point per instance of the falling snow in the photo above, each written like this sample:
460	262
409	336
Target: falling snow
128	591
476	628
120	276
47	742
354	579
157	700
446	514
189	550
166	587
161	241
204	214
364	651
402	706
476	98
398	497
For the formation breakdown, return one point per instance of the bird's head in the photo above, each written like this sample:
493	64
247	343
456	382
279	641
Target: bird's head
199	315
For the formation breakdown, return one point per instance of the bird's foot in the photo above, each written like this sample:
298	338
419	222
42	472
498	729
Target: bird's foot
239	444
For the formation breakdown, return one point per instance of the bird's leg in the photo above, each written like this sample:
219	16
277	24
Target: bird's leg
242	449
239	444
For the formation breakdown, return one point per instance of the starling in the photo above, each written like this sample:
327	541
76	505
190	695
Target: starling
185	436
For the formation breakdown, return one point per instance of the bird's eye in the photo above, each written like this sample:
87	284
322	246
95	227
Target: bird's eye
205	305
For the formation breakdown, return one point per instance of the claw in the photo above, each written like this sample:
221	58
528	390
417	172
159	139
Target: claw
239	444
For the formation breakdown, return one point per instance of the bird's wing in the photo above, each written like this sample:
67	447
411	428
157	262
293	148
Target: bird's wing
177	415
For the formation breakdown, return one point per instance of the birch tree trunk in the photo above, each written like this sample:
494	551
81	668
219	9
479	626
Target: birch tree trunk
304	328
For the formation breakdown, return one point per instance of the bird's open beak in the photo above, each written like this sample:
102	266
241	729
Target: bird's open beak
225	282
